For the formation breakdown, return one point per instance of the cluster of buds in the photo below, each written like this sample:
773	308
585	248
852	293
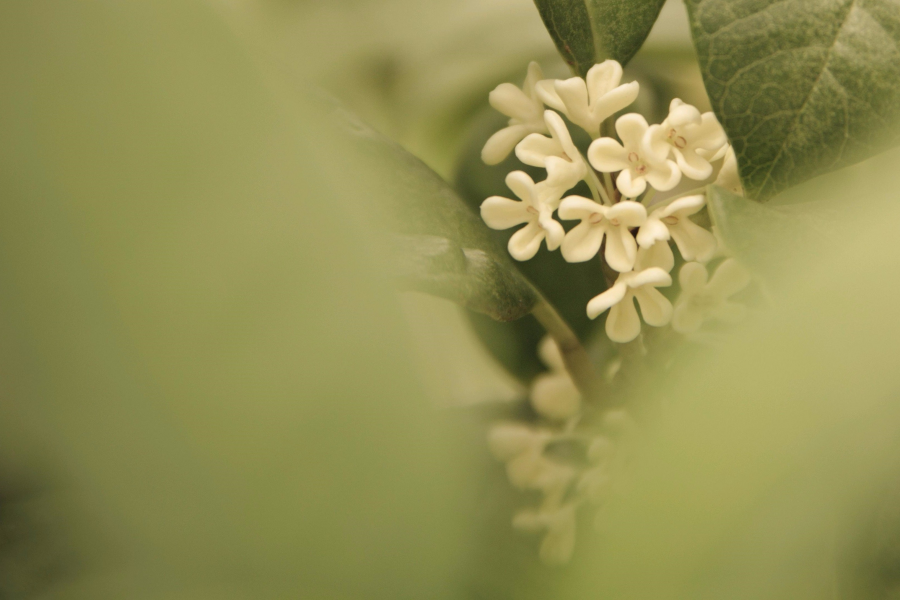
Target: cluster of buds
622	218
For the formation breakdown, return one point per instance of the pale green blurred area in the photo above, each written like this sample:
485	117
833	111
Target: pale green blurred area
209	389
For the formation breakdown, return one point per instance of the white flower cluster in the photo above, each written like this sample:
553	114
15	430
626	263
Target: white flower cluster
646	158
564	486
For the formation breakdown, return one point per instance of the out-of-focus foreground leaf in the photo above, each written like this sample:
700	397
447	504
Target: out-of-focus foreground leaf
761	476
204	370
802	88
587	32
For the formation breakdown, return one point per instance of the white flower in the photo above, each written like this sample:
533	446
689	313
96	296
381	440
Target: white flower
703	299
526	112
637	165
728	176
598	221
557	153
623	323
560	525
589	103
671	221
553	394
689	135
535	209
508	440
658	255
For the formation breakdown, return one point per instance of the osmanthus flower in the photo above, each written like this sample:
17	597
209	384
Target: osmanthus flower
689	135
598	221
560	527
557	153
526	113
728	176
672	222
590	101
658	255
703	298
638	162
623	323
535	210
554	394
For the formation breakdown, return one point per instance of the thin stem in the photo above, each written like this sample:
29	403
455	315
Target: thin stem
595	185
576	358
607	177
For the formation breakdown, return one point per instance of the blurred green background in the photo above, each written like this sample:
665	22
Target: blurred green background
210	389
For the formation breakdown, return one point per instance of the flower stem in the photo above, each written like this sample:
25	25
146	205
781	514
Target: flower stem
597	188
576	358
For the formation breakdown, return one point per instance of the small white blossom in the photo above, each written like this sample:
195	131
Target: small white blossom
526	112
598	221
637	165
623	323
560	525
689	135
728	176
703	298
535	210
672	222
658	255
508	440
557	153
554	394
588	102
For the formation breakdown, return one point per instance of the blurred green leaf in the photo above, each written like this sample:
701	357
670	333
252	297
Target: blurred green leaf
587	32
802	88
200	348
439	245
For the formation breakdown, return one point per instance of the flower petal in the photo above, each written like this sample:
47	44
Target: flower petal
623	324
728	177
709	134
613	101
611	297
502	143
554	396
583	242
560	133
692	277
607	155
579	207
682	114
629	185
548	352
522	186
729	279
621	249
692	164
655	308
535	148
653	276
535	74
654	145
524	243
628	213
684	206
514	103
652	231
631	129
553	230
693	241
574	95
603	78
658	255
686	317
546	92
664	176
502	213
563	174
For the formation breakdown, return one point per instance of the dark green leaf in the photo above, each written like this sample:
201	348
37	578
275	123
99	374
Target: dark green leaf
801	87
590	31
439	245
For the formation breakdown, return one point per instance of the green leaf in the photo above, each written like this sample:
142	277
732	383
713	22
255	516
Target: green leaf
438	244
802	88
587	32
